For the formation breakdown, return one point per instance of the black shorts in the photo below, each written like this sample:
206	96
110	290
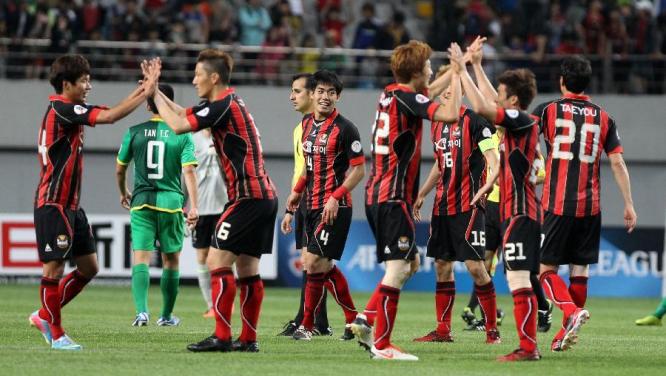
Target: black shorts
457	237
570	240
202	236
299	225
327	240
521	237
62	233
247	226
393	226
493	226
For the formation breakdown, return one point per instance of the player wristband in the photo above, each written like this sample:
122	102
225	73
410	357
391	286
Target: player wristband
287	211
340	192
300	185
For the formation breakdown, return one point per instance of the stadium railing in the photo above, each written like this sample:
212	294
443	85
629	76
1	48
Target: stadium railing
264	65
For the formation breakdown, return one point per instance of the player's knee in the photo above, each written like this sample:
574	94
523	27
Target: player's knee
579	270
518	279
414	265
478	271
397	273
444	270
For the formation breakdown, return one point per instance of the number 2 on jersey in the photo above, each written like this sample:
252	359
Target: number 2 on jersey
155	159
381	129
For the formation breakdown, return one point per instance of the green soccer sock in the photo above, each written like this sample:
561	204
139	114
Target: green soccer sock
661	310
169	285
140	283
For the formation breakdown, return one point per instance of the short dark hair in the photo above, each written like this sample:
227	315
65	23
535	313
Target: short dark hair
217	61
67	68
167	90
298	76
325	77
521	83
576	73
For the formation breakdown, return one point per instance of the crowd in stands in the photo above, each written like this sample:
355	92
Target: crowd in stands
522	32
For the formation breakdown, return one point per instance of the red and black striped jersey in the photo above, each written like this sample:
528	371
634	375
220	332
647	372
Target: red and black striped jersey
330	146
519	164
459	151
60	151
574	129
396	144
237	142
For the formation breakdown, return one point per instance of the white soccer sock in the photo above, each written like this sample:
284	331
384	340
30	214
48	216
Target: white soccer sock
204	284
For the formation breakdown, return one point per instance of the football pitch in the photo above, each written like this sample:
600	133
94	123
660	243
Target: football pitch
100	318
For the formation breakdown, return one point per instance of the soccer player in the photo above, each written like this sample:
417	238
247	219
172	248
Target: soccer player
212	198
392	187
519	205
156	205
61	225
576	131
245	229
334	165
655	318
462	150
300	99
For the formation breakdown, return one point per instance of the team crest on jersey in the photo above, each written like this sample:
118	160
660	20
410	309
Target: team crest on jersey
203	112
422	98
403	243
62	241
80	110
356	146
455	132
323	138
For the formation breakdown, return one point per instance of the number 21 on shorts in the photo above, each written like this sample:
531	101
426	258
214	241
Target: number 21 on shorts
514	252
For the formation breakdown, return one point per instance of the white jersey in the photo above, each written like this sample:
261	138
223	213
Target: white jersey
212	191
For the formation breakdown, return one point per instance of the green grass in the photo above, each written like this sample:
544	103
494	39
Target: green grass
100	320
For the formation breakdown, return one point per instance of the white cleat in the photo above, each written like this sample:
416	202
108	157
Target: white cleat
302	334
65	343
575	322
391	353
363	331
141	319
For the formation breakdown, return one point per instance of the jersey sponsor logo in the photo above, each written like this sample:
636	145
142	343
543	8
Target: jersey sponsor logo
204	112
422	98
80	110
62	241
403	243
307	146
356	146
487	133
444	144
511	113
566	107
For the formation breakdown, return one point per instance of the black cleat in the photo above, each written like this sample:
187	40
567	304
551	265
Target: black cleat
348	335
211	343
478	325
288	329
500	316
328	331
468	316
237	345
545	318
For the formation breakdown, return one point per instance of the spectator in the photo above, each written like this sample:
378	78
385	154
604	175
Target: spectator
309	60
91	16
334	25
334	62
367	30
222	23
254	22
268	67
394	34
195	17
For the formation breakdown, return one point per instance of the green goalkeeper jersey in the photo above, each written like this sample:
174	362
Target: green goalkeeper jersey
159	155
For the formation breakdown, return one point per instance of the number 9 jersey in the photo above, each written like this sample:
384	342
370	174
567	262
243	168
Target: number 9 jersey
575	131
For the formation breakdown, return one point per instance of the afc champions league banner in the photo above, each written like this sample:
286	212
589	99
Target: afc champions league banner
114	251
630	265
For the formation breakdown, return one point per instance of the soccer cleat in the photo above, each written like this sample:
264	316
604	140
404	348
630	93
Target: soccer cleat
238	345
173	321
41	325
391	353
65	343
493	337
545	318
210	314
288	329
556	345
141	319
649	321
477	325
500	316
468	317
348	335
363	331
302	334
322	332
209	344
434	337
574	323
520	355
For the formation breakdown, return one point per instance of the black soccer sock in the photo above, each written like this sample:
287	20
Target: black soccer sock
473	301
542	303
299	315
321	317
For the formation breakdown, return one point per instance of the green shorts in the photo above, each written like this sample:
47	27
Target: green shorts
150	225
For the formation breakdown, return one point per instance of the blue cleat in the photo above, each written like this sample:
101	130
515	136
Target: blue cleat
65	343
173	321
41	325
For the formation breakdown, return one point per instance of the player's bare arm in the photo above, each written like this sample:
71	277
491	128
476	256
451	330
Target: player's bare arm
129	104
121	180
475	53
430	183
189	173
356	174
480	104
621	175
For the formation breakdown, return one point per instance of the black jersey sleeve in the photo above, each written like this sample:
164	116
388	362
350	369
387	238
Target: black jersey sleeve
514	120
480	129
76	114
415	104
209	114
612	144
351	145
